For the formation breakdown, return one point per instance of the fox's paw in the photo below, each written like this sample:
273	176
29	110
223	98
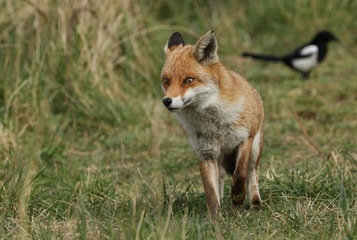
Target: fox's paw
238	200
256	204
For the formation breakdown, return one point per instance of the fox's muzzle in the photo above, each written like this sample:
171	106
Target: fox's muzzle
167	102
173	104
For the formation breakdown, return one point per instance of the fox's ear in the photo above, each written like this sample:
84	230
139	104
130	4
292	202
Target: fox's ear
175	40
205	49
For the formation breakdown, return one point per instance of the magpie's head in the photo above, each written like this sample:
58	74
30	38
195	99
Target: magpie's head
324	37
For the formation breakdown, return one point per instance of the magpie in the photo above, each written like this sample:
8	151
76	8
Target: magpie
304	58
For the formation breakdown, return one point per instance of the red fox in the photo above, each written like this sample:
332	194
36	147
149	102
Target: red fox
221	113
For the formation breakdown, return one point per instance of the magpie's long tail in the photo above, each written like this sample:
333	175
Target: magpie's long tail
262	57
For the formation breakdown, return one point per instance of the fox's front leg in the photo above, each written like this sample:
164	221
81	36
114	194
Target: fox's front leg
240	173
209	174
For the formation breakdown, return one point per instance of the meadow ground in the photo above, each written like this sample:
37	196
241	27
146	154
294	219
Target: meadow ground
87	151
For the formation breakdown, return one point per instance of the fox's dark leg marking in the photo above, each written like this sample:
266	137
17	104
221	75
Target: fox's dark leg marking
240	173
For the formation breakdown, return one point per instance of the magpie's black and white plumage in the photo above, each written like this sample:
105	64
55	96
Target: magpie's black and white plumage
304	58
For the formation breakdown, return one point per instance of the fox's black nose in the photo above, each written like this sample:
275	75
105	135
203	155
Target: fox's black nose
167	101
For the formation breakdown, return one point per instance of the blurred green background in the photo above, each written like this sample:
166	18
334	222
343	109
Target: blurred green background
87	151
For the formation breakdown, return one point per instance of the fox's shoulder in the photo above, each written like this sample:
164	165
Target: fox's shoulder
233	87
244	83
238	78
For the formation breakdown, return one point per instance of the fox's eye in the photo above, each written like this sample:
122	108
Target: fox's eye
188	80
166	81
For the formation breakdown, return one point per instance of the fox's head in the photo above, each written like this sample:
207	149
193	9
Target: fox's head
190	74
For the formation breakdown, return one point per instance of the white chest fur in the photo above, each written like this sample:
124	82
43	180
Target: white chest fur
213	130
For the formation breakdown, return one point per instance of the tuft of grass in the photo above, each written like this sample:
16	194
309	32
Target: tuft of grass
88	152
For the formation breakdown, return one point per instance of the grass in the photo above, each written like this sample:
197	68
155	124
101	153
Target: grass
88	152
